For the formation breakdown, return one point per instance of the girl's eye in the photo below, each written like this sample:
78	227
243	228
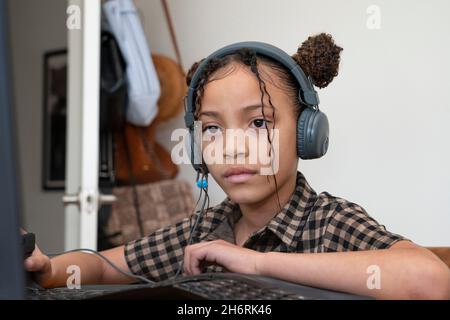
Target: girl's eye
211	129
260	123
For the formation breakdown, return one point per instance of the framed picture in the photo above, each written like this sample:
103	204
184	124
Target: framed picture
54	120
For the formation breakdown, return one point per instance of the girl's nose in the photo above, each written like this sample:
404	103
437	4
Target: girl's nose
235	146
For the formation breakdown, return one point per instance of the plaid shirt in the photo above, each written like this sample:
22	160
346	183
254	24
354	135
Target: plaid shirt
308	223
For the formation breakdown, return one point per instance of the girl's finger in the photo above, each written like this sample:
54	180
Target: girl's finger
198	257
35	263
186	259
188	254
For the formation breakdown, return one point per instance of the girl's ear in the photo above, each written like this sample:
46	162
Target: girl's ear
319	58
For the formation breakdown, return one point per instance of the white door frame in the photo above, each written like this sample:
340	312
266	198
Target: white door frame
82	193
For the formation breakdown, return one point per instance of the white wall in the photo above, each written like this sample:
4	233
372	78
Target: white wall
389	148
389	108
35	27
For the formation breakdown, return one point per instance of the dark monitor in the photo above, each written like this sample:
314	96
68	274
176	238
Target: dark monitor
11	257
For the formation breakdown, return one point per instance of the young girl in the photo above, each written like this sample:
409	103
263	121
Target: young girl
274	225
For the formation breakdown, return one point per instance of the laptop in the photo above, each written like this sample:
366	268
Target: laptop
11	276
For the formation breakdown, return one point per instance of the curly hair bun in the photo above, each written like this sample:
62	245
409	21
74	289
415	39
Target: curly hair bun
319	58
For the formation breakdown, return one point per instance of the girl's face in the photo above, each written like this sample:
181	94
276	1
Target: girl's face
233	101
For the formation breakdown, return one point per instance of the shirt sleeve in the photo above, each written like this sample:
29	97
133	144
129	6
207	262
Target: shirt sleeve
159	255
350	228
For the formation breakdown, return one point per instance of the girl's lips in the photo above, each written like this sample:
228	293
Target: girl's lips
239	178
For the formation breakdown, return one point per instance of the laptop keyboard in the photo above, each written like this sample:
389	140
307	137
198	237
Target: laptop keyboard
65	293
212	286
226	289
232	289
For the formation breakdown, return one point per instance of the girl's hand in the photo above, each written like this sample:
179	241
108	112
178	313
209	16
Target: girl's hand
220	252
39	265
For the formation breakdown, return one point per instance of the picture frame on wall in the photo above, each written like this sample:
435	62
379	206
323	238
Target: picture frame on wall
54	119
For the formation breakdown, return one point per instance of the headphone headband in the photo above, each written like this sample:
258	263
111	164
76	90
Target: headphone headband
307	94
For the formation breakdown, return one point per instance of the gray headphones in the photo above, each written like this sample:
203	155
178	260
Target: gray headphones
312	124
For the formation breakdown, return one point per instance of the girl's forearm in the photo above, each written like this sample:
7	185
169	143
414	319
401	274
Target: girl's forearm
90	269
402	273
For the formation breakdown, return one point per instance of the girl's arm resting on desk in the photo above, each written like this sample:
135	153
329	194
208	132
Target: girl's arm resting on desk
50	273
407	271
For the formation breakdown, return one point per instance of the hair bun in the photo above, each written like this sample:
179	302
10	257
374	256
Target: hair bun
319	58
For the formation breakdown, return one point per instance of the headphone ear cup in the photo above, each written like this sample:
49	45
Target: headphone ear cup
301	133
312	134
